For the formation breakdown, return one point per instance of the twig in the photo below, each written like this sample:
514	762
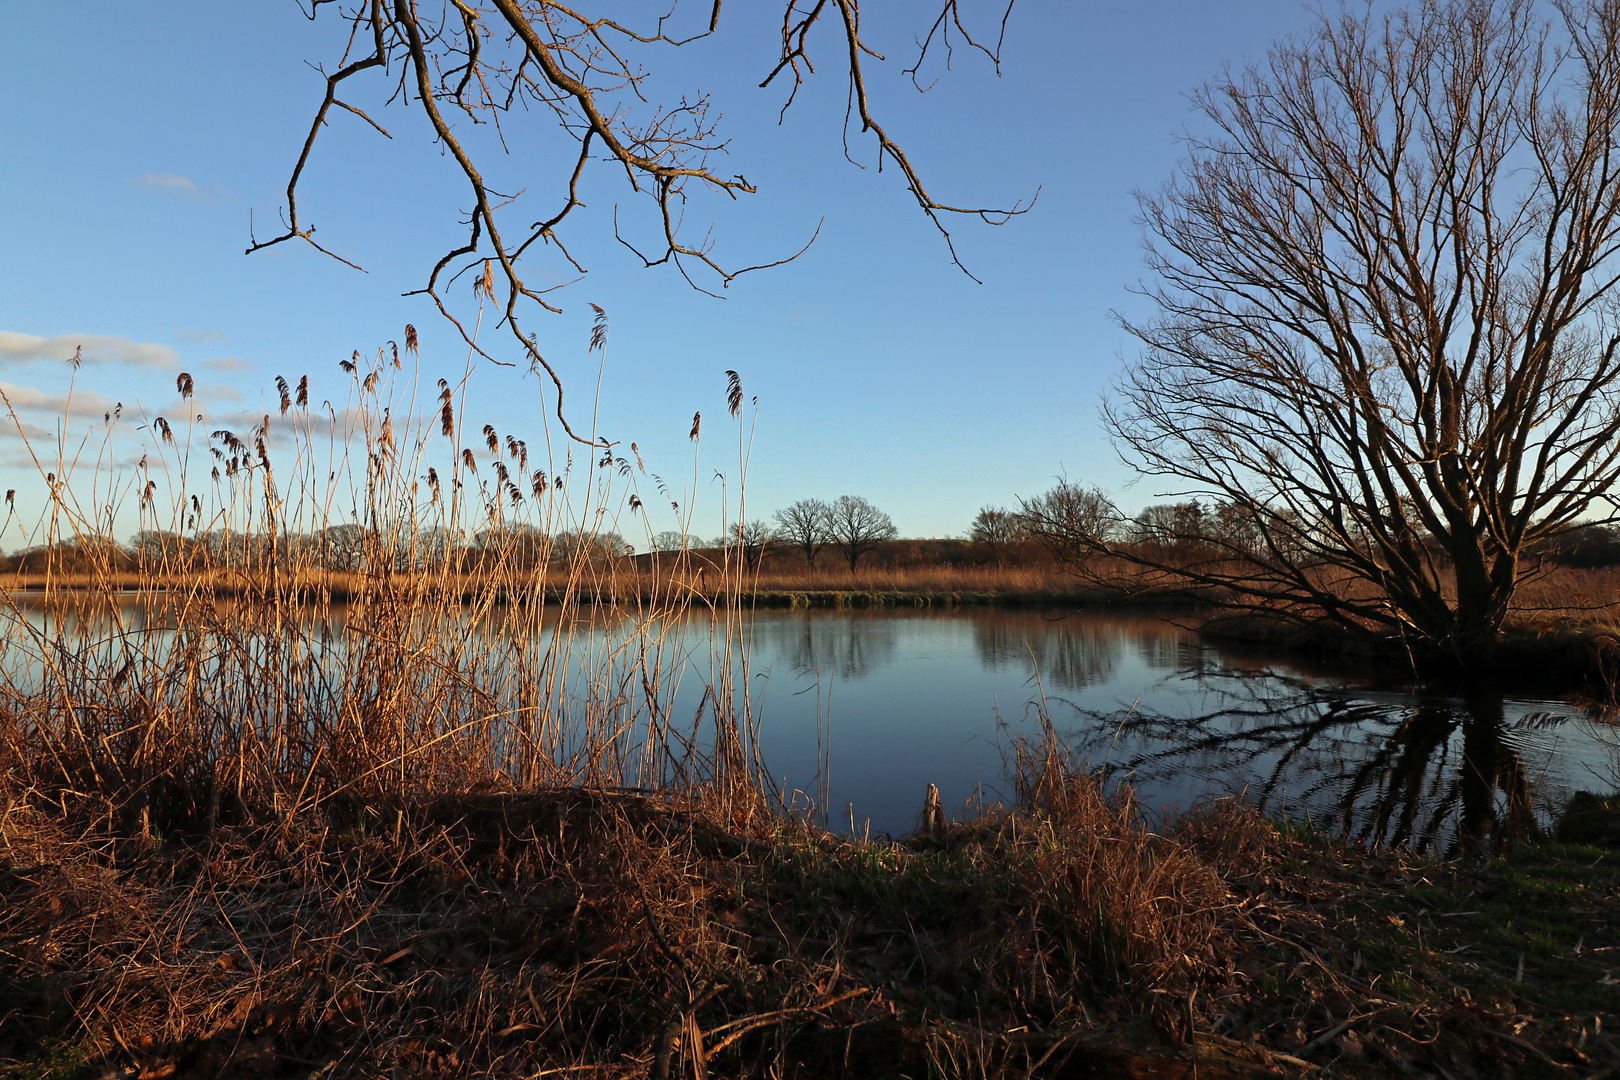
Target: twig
1340	1029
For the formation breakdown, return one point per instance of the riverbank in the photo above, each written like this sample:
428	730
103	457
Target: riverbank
1560	597
1562	638
618	934
633	582
1535	656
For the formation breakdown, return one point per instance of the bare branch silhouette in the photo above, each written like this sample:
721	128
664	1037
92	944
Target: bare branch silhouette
500	60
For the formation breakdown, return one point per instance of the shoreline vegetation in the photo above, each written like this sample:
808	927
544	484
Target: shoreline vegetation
284	866
363	787
612	933
1563	635
430	815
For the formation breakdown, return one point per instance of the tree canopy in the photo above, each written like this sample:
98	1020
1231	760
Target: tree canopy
1385	333
855	526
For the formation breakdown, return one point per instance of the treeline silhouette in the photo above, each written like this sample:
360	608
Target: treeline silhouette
342	548
997	538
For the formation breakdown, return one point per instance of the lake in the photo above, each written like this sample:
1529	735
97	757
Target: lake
891	701
858	711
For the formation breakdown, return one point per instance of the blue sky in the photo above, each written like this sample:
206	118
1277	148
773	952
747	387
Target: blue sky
137	139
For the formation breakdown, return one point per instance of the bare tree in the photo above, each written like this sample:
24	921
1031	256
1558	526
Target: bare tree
855	526
518	546
751	540
805	525
997	530
1069	521
345	547
1173	531
571	547
670	540
159	550
429	548
1192	530
508	63
1386	330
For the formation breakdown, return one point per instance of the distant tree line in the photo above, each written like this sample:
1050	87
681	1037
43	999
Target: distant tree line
849	524
351	548
1071	523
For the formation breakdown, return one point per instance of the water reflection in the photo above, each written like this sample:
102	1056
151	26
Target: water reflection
1447	773
1073	651
836	645
1070	652
917	697
1067	655
892	701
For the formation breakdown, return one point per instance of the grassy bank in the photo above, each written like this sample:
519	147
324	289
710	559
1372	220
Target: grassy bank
697	577
1559	598
616	934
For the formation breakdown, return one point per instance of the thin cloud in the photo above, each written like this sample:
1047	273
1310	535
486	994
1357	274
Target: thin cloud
90	348
34	433
169	182
188	334
33	399
20	464
36	415
174	184
228	364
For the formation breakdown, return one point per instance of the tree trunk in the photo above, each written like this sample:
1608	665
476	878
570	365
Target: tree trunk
1483	596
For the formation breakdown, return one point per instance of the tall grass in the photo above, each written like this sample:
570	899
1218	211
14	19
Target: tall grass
460	648
388	686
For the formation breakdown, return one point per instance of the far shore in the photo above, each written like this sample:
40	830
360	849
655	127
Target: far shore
1562	638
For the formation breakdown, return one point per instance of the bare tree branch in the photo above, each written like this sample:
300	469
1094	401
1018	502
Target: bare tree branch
495	59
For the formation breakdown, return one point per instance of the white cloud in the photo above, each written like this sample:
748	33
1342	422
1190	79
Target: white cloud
31	431
228	364
166	182
91	348
33	399
182	186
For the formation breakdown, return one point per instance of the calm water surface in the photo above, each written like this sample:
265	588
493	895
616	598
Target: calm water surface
861	710
892	701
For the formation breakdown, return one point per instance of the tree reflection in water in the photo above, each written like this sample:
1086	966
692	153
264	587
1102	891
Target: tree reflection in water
843	646
1071	653
1440	773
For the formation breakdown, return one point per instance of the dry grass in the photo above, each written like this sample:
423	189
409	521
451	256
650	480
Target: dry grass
1570	596
266	686
702	576
612	932
257	722
409	820
617	934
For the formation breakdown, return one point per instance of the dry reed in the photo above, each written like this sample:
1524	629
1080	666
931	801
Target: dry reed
277	819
